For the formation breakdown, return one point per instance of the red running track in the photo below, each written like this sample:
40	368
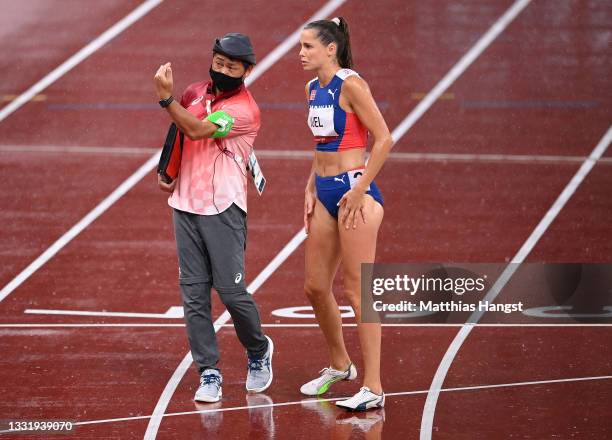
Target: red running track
537	90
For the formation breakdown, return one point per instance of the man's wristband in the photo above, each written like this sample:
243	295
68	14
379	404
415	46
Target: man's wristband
166	102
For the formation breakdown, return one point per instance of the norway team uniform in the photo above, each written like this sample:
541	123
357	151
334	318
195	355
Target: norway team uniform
336	130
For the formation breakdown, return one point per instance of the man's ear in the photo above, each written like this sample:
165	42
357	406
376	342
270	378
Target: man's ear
248	71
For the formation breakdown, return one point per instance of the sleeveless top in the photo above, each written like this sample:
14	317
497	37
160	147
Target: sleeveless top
333	128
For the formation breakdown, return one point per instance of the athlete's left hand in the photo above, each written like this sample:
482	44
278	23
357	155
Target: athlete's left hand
163	81
352	206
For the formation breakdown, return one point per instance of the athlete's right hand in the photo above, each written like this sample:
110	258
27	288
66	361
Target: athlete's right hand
167	187
309	203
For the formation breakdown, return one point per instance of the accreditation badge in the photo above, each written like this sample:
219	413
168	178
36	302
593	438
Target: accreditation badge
258	178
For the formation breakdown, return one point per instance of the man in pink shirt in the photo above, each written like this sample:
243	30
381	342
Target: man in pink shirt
220	121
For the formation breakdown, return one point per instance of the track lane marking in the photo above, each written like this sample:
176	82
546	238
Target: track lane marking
528	159
307	401
75	230
116	29
275	325
442	370
460	67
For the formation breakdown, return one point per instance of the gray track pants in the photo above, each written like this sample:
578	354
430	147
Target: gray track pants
211	253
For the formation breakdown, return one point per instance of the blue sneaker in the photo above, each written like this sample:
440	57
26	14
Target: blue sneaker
210	386
259	371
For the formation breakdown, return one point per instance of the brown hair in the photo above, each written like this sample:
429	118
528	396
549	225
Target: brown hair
330	32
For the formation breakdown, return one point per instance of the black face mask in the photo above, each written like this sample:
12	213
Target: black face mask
223	82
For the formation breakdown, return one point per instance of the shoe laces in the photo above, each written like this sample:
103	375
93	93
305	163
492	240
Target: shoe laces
325	374
361	393
208	379
256	364
364	390
329	371
326	371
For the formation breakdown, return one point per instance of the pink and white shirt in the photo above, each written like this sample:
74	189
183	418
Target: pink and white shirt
210	180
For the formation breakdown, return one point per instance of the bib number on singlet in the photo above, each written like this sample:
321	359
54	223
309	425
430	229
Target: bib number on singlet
354	176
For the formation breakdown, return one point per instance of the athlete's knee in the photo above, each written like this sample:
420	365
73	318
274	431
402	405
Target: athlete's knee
315	291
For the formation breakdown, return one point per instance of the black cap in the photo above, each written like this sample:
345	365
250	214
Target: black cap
237	46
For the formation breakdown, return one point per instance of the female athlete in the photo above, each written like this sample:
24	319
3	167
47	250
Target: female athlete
343	207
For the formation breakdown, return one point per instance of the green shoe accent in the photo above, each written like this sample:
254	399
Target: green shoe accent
326	386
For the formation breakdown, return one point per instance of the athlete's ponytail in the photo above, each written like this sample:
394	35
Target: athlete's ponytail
336	31
345	58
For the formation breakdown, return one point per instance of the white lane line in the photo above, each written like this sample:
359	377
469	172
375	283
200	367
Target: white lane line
269	61
176	312
311	401
91	325
480	46
511	384
80	226
154	325
78	57
442	370
103	314
528	159
67	149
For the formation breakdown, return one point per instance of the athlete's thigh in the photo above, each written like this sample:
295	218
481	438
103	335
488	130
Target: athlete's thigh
322	249
359	245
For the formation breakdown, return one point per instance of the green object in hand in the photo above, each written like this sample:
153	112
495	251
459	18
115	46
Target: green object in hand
223	120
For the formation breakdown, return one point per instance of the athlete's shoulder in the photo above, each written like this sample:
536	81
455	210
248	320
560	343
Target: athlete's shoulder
351	80
354	88
354	82
345	73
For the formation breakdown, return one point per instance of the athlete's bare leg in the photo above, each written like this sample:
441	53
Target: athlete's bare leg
359	246
322	261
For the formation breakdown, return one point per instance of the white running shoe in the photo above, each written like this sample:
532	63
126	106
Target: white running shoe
363	400
259	371
328	376
210	386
